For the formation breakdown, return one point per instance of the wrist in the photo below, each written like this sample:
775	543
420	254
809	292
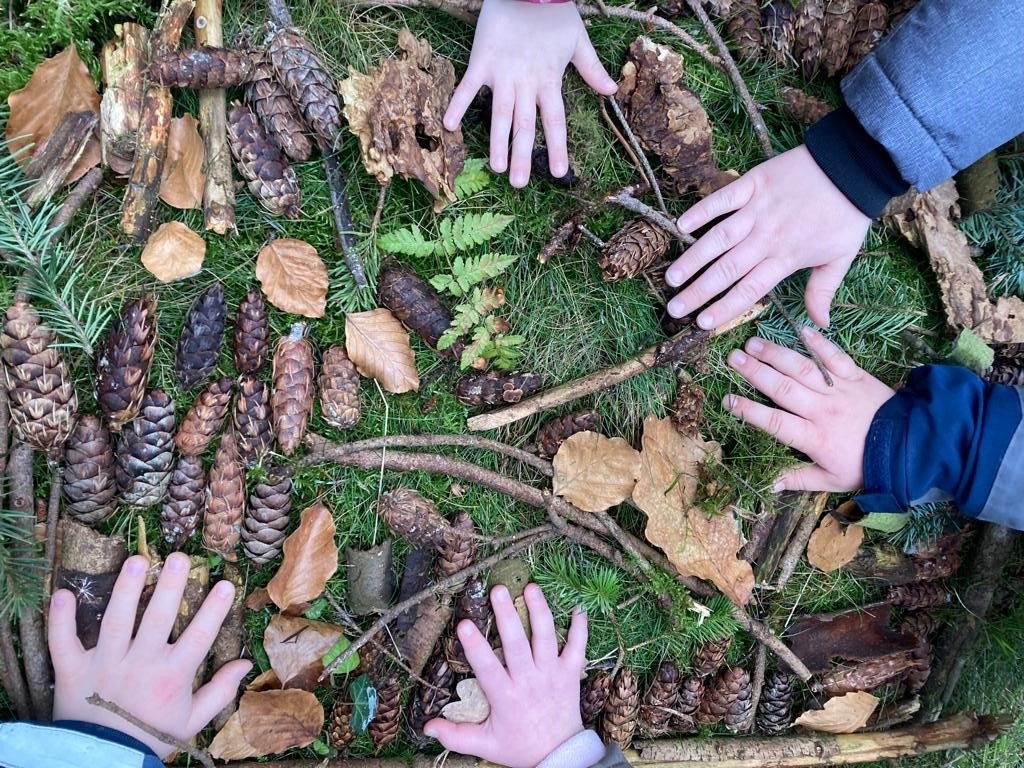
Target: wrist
581	750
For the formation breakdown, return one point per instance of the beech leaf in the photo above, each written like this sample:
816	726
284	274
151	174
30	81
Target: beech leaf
379	346
173	252
268	723
181	185
59	85
843	714
472	706
833	544
293	277
595	472
310	559
296	647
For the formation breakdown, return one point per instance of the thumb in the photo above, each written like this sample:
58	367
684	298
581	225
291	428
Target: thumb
810	477
821	289
591	69
464	738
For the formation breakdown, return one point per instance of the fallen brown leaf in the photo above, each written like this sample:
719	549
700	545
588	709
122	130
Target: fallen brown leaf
379	346
472	706
595	472
843	714
181	185
310	559
833	544
265	681
296	646
293	277
269	722
173	252
258	599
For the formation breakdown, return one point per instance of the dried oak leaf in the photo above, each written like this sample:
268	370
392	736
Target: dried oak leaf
833	544
595	472
472	706
183	179
310	559
296	647
843	714
173	252
379	346
269	722
293	277
59	85
698	544
396	113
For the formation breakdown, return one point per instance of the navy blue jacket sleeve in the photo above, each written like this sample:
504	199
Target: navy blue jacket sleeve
948	435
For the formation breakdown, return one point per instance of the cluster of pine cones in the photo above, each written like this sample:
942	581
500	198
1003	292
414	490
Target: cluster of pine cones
1008	367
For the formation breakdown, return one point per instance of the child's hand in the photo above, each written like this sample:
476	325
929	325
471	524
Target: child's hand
535	702
145	675
829	424
788	215
521	50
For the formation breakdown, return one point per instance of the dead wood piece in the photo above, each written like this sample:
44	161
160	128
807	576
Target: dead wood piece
344	232
56	157
84	189
371	582
563	239
811	511
123	62
230	639
857	634
89	565
789	512
978	184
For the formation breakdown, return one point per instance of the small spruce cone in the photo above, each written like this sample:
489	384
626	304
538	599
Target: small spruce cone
618	722
594	697
744	29
496	387
809	29
307	81
803	107
185	502
898	9
428	702
660	700
42	398
266	517
778	28
145	452
920	667
250	419
203	67
414	518
926	594
252	333
691	693
867	675
90	491
339	389
868	28
840	19
383	729
631	250
687	411
225	500
711	656
292	398
555	432
1008	373
123	362
775	710
415	303
728	698
920	624
473	604
277	112
458	551
738	715
205	418
271	180
340	729
201	338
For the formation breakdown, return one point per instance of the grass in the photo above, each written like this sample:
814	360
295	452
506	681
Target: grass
572	320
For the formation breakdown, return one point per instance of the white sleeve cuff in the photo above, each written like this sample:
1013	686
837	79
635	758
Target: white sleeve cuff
581	751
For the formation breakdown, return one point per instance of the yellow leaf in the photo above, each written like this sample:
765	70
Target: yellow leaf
181	185
595	472
310	559
293	277
378	344
843	714
833	544
174	251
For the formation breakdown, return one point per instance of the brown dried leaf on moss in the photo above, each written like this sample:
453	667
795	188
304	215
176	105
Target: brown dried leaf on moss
833	544
396	113
595	472
843	714
379	346
181	185
310	559
296	647
293	276
173	252
269	722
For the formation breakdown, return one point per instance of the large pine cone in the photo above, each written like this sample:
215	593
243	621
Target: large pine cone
340	728
473	604
711	656
201	337
308	82
205	418
225	501
775	710
266	518
803	107
429	701
594	697
203	67
271	180
555	432
145	452
691	693
618	722
729	699
808	36
496	387
277	112
339	389
840	17
631	250
744	28
659	701
920	624
252	333
415	303
90	491
292	398
414	518
185	502
926	594
250	418
123	362
41	392
383	729
687	410
868	28
778	28
458	550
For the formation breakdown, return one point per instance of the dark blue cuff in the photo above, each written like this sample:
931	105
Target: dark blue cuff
857	164
105	733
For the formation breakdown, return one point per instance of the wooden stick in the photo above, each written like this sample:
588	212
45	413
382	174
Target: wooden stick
344	237
760	662
562	236
639	151
770	640
10	672
123	62
797	545
53	515
56	157
83	191
219	191
5	426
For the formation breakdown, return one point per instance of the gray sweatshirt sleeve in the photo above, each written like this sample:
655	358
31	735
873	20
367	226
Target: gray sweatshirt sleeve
945	87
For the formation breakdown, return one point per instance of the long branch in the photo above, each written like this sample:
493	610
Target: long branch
172	741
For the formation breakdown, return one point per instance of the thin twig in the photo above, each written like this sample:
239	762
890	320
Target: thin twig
648	171
797	328
760	662
621	139
378	212
798	543
597	241
83	191
53	516
10	672
5	423
768	638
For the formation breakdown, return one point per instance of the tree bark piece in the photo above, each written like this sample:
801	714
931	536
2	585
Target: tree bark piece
811	512
978	184
123	61
56	157
89	565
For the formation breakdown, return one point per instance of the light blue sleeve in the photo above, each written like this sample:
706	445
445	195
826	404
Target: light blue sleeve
33	745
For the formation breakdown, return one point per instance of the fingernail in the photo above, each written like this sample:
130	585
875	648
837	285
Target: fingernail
677	308
429	732
706	321
177	563
136	566
59	599
579	610
754	345
807	332
729	402
779	486
501	595
736	357
672	278
683	223
224	589
465	630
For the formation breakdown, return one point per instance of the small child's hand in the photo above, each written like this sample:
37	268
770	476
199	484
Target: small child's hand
521	50
829	424
144	675
535	701
786	215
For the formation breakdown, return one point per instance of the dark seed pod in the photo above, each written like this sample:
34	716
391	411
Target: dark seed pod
292	396
1009	373
744	28
496	387
250	419
555	432
775	710
145	452
383	729
203	67
225	501
867	675
618	722
415	303
868	28
252	333
920	624
123	362
307	81
542	170
90	492
803	107
185	502
339	389
632	249
429	701
271	180
414	518
458	551
593	698
691	693
205	418
266	517
808	36
201	337
728	699
711	656
778	28
659	701
275	109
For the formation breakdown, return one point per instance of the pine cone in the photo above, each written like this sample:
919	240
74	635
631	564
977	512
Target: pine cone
868	29
414	518
252	333
292	398
457	552
744	29
920	624
618	722
496	387
926	594
898	9
250	419
687	410
775	710
308	82
276	111
225	501
428	702
867	675
711	656
203	67
271	180
778	28
840	17
205	418
920	668
123	362
473	604
803	107
185	502
727	699
416	304
383	729
339	389
267	516
809	29
631	250
691	693
1010	373
660	700
555	432
594	697
201	338
90	491
41	393
145	452
340	729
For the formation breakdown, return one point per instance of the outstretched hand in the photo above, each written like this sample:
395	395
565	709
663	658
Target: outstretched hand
534	698
784	215
145	675
520	51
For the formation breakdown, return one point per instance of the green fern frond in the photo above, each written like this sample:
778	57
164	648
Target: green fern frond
469	271
474	177
408	241
472	229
